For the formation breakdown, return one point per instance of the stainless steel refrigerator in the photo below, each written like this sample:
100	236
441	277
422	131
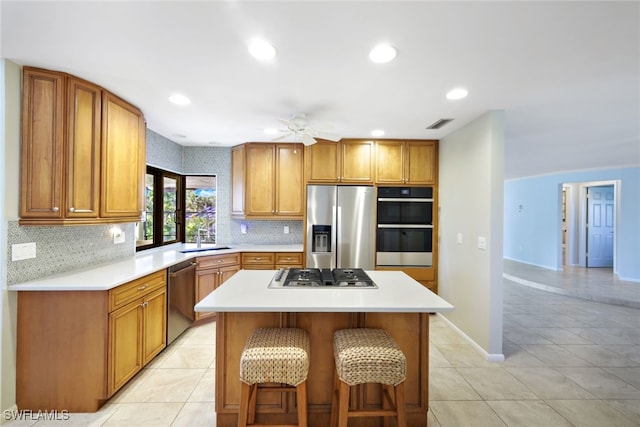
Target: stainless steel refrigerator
340	227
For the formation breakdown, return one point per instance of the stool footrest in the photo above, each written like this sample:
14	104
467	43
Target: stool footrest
372	413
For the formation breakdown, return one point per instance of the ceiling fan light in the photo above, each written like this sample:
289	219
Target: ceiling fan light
262	50
308	139
382	53
377	132
457	93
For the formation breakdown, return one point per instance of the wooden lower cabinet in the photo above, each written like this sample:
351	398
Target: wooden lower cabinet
137	333
288	260
258	260
77	348
211	272
410	330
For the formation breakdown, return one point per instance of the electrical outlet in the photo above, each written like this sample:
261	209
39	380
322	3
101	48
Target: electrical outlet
286	229
459	239
21	251
119	237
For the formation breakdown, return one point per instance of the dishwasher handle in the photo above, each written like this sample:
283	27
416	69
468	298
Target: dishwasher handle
182	270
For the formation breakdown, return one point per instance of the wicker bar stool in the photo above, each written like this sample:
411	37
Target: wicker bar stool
274	355
365	355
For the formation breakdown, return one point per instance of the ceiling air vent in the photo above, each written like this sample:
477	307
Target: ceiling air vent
439	123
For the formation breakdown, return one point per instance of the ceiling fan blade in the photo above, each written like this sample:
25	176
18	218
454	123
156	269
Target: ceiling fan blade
328	135
308	139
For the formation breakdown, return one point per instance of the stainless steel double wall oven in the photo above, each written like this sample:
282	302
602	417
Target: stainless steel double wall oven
405	226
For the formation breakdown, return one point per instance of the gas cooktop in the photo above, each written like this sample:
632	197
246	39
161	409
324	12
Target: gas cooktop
322	278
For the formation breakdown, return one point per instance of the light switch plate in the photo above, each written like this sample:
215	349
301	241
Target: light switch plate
482	243
286	229
21	251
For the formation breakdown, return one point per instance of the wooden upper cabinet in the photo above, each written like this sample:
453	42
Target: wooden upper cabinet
42	173
83	149
260	185
347	161
83	153
289	177
267	181
406	162
323	162
237	180
357	161
123	159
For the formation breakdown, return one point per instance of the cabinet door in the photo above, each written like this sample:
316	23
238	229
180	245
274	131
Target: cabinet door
260	189
155	324
226	273
206	282
289	174
389	162
83	149
323	162
125	344
237	180
357	161
421	159
42	144
123	159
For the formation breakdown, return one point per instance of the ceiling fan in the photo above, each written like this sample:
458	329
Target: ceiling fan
297	126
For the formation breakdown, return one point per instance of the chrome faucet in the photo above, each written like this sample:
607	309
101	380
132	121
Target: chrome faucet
199	236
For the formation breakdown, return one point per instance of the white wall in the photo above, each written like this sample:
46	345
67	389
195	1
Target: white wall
471	180
9	185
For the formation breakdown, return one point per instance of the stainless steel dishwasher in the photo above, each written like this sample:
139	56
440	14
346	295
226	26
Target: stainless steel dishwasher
180	298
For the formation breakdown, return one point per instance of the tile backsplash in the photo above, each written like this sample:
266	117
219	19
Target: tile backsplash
62	249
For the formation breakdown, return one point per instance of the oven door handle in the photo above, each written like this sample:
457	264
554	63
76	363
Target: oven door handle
400	199
405	226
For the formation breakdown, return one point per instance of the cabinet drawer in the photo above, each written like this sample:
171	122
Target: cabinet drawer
288	258
257	258
123	294
215	261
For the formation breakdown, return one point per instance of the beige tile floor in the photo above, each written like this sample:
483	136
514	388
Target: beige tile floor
569	362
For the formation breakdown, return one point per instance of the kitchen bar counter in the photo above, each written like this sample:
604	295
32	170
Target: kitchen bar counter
247	291
400	305
106	276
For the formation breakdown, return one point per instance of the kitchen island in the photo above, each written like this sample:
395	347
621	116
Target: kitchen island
245	302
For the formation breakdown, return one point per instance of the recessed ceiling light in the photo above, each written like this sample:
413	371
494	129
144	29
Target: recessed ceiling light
377	132
457	93
261	50
382	53
271	131
179	99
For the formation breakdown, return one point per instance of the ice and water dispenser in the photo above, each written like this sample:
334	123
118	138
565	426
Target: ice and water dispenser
321	238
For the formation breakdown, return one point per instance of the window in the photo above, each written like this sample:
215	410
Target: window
163	222
200	209
177	209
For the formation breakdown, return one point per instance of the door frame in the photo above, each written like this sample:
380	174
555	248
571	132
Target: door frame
577	230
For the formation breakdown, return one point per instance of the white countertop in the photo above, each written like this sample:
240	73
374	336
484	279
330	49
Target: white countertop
248	291
106	276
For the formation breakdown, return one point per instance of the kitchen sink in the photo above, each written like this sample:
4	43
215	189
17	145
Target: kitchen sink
211	248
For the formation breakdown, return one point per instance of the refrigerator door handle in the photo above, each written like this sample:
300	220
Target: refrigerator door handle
337	220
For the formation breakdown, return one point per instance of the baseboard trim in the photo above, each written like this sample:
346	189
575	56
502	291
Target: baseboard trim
489	357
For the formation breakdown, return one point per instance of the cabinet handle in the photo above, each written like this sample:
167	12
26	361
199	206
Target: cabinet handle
142	288
72	209
55	209
257	258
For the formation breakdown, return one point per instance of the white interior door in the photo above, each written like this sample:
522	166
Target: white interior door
600	226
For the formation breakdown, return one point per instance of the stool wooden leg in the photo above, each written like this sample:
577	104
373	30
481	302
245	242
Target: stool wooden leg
343	406
400	405
301	398
253	396
334	400
386	403
245	391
